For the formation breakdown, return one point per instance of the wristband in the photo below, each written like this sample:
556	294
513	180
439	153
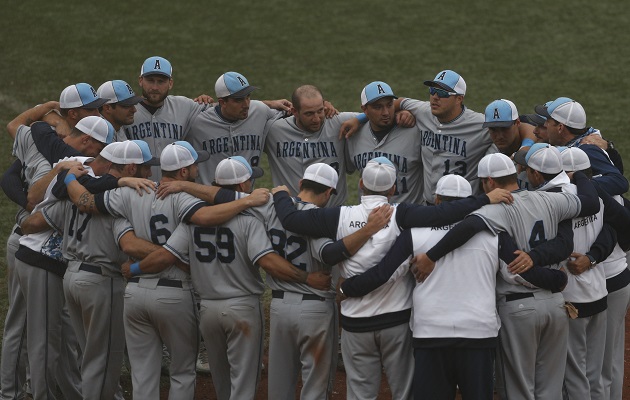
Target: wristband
135	269
527	142
362	118
69	178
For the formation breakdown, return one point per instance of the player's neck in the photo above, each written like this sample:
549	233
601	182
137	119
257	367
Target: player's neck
450	117
309	197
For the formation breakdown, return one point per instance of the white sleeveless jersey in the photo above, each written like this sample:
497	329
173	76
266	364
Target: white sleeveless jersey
223	139
391	297
153	219
222	258
458	299
167	125
455	147
290	150
402	146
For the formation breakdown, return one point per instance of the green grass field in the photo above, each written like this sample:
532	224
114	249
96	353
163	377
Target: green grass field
528	52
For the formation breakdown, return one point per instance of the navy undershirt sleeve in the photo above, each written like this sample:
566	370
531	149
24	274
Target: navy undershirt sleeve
51	146
456	237
315	222
13	185
557	249
604	244
587	193
335	252
448	212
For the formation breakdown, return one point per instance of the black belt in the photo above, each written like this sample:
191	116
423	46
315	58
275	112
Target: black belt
517	296
95	269
18	230
279	294
162	282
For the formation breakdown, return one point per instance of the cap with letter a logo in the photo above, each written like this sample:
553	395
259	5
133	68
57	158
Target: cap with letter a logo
118	92
500	114
450	81
376	91
233	84
156	66
80	95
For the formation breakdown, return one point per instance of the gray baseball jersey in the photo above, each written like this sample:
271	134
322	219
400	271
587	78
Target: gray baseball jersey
34	164
402	147
222	139
291	150
455	147
222	258
167	125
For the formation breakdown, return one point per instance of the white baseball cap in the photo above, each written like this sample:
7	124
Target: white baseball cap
233	84
118	92
574	159
181	154
129	152
323	174
450	81
453	186
235	170
495	165
156	66
500	114
376	91
379	174
80	95
566	111
544	158
97	127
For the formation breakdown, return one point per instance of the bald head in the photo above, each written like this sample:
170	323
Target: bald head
305	92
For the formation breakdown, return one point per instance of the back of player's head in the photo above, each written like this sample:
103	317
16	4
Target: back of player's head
318	176
544	158
156	65
235	170
118	92
129	152
232	84
80	95
450	81
453	187
181	154
575	159
495	166
96	127
379	175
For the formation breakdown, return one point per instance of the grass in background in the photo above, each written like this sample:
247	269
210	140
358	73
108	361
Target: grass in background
528	52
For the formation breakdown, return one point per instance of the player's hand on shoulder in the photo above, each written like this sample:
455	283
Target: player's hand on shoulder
141	185
258	197
596	140
521	263
349	128
125	268
405	119
379	218
421	267
73	167
203	99
499	195
280	105
319	280
170	187
329	110
281	188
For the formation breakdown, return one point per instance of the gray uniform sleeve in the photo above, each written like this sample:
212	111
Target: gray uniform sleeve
55	214
178	245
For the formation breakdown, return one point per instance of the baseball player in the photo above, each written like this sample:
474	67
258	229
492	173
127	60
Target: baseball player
382	137
121	106
93	285
306	138
160	118
224	262
375	327
566	126
236	126
76	101
532	219
454	343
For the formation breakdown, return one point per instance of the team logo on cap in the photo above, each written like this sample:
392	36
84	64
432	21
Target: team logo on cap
157	64
131	92
93	91
380	89
441	76
241	81
496	114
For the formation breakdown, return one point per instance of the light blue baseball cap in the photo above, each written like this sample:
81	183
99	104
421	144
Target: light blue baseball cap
450	81
566	111
118	92
156	65
376	91
500	114
80	95
233	84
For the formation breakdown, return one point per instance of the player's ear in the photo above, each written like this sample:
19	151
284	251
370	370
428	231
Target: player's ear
300	185
363	108
391	191
140	79
361	185
170	84
438	199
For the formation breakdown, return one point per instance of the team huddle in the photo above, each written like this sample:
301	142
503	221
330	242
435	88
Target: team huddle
488	253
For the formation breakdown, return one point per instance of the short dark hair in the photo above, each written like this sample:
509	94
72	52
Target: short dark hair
368	192
313	186
170	174
577	132
505	180
448	198
118	167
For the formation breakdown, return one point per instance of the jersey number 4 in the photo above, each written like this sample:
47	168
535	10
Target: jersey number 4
538	235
